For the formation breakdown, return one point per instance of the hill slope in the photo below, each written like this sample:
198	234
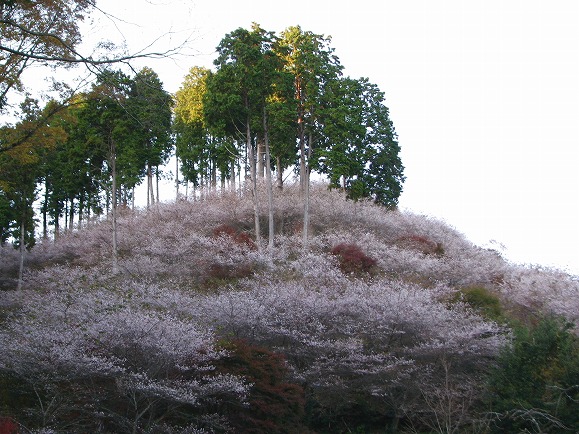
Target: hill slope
389	319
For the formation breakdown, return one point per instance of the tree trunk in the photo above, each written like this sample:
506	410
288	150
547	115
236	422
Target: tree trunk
176	178
268	180
306	194
45	214
114	208
251	157
71	215
150	193
66	216
260	154
80	211
232	177
22	249
57	224
157	183
278	173
302	165
213	177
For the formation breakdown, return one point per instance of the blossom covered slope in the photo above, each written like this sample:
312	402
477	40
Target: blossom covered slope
372	321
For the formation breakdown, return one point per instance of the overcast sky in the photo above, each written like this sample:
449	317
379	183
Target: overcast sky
484	96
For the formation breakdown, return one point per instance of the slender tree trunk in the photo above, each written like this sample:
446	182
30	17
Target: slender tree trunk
157	183
66	216
213	177
88	210
150	188
260	154
307	195
278	173
22	249
45	213
80	210
301	137
239	178
302	166
232	177
306	211
114	208
71	215
268	180
176	178
252	170
57	223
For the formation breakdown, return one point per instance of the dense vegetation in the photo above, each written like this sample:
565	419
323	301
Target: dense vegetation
352	317
273	104
388	322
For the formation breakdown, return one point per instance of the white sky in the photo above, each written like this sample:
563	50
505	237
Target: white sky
484	95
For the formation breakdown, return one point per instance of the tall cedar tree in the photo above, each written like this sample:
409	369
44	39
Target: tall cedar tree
312	63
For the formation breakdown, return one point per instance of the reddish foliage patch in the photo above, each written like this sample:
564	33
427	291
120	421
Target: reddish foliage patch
420	243
239	238
8	426
230	271
275	406
352	258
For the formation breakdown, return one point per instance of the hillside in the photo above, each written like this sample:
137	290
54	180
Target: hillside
389	322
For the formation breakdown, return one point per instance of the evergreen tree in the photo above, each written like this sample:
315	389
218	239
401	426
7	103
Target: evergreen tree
193	139
150	105
19	172
246	65
310	59
360	152
113	132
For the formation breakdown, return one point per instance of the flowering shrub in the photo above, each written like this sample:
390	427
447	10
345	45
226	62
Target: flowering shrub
352	340
110	361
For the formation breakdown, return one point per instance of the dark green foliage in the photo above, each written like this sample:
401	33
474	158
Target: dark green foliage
360	151
6	216
16	199
15	396
535	387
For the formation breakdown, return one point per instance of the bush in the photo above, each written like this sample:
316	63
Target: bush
535	387
238	237
106	361
8	426
483	301
420	244
353	259
275	405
